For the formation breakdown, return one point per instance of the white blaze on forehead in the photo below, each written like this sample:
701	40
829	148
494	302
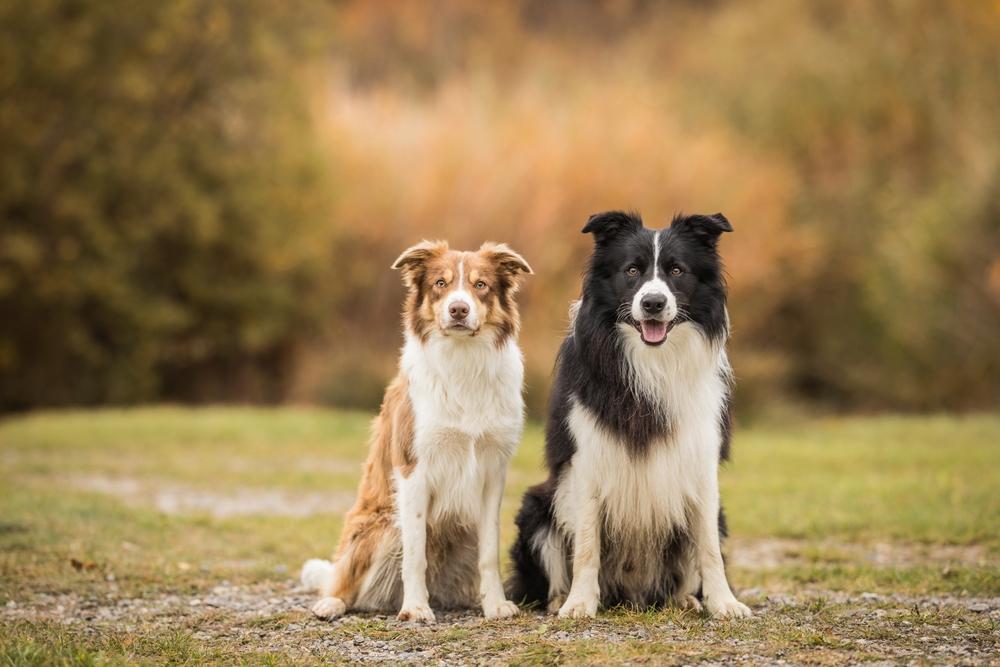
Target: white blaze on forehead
460	295
655	286
656	255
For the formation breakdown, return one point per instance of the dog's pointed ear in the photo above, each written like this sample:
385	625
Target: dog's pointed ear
505	259
719	223
608	225
414	259
708	228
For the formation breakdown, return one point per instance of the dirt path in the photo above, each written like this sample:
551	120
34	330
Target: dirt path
179	499
826	628
771	553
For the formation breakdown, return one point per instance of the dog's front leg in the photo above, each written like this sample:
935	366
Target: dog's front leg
495	603
717	596
412	500
585	591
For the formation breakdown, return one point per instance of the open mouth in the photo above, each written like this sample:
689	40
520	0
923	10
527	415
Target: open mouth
654	332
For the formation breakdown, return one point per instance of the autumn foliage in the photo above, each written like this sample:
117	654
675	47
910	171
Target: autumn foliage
200	200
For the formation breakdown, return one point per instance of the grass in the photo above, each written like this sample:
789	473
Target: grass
820	497
928	479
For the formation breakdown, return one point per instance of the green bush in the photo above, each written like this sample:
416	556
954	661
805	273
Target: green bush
163	200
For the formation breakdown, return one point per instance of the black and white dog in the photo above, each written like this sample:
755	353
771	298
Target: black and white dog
638	423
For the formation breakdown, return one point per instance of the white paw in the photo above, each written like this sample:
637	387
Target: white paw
416	612
579	608
329	608
727	607
502	609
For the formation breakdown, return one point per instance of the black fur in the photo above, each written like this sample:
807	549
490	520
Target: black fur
530	584
592	367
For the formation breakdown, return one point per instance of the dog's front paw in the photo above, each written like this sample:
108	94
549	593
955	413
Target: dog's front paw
579	608
416	612
727	607
502	609
329	608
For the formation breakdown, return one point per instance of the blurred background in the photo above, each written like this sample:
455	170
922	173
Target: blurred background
200	200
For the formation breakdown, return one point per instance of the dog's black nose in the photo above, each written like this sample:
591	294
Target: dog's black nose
458	310
653	304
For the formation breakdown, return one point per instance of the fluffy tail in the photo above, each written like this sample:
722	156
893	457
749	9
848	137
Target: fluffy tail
315	572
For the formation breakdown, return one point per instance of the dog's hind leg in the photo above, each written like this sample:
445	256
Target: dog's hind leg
331	603
553	554
357	555
319	574
687	580
539	555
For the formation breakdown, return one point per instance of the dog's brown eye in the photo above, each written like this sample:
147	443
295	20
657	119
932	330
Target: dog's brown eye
440	283
632	271
480	284
676	271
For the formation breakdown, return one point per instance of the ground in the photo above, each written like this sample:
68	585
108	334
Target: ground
175	535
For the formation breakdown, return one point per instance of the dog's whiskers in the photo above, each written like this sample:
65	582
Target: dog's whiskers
623	312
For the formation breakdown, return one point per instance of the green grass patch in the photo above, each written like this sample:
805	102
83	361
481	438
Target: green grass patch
926	479
823	487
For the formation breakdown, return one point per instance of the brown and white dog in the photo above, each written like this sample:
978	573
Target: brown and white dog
424	531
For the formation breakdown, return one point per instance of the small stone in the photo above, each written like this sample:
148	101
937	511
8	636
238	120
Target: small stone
978	607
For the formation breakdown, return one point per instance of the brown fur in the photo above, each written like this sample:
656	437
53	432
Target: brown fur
369	527
494	263
372	515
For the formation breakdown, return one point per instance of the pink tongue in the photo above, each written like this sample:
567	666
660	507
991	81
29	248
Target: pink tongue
653	331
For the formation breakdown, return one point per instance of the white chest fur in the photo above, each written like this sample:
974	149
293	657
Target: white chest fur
647	495
469	415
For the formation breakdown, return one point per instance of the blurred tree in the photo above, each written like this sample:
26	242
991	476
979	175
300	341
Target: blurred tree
163	204
856	146
890	114
168	230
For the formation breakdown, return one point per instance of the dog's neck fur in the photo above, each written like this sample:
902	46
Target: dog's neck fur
660	384
466	382
672	375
